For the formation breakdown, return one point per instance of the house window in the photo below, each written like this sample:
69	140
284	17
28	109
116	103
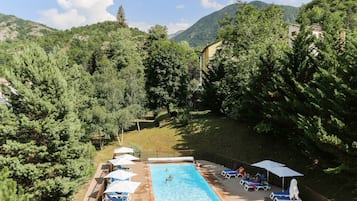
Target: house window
293	33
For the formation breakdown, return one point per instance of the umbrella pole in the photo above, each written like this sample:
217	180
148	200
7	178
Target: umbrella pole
267	175
282	187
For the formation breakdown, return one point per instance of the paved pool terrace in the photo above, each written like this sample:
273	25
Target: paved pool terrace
227	189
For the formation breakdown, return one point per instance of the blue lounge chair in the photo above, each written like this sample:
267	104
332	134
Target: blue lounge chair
245	180
284	198
117	197
278	193
231	174
119	167
224	172
256	186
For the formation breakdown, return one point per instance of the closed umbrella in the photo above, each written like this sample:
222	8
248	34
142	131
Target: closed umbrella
294	190
122	187
120	174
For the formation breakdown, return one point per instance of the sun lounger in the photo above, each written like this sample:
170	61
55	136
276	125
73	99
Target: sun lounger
231	174
224	172
117	197
256	186
284	198
119	167
244	181
278	193
240	172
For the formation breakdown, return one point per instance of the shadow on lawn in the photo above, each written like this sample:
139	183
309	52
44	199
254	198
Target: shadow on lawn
220	135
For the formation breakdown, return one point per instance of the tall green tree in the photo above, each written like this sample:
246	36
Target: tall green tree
121	17
41	134
329	112
167	76
213	95
9	189
320	91
341	14
119	86
248	38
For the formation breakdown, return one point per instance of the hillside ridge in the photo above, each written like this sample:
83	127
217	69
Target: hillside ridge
15	28
204	31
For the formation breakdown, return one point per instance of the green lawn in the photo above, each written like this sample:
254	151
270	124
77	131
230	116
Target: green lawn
224	136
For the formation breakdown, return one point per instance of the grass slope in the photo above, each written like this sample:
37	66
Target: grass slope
224	136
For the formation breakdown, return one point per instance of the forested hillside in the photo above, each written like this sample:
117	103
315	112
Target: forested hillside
204	31
305	92
75	88
13	28
72	89
70	86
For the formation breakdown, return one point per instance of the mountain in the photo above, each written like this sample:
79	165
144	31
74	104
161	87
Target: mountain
204	31
13	28
175	34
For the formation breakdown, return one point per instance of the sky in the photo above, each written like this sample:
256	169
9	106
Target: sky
174	14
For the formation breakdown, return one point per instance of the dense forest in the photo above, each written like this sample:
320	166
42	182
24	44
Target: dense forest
68	87
306	92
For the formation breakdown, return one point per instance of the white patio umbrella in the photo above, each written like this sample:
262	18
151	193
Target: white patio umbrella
268	165
123	150
122	187
285	172
120	174
127	157
119	161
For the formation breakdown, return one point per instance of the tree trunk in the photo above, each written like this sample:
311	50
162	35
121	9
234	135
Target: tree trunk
118	138
168	109
138	125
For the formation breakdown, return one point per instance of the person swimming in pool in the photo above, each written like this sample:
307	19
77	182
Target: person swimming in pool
169	178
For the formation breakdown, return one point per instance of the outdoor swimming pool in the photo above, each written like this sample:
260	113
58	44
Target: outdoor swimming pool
186	183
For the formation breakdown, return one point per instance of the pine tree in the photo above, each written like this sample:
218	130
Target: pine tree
121	17
41	134
213	94
9	190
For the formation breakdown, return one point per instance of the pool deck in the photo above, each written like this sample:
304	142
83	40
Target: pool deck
227	189
230	189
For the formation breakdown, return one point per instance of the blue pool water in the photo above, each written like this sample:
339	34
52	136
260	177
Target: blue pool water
186	183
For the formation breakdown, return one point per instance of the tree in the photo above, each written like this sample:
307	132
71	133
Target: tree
213	95
119	85
9	189
121	17
155	33
247	39
328	116
323	81
166	73
343	13
41	135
